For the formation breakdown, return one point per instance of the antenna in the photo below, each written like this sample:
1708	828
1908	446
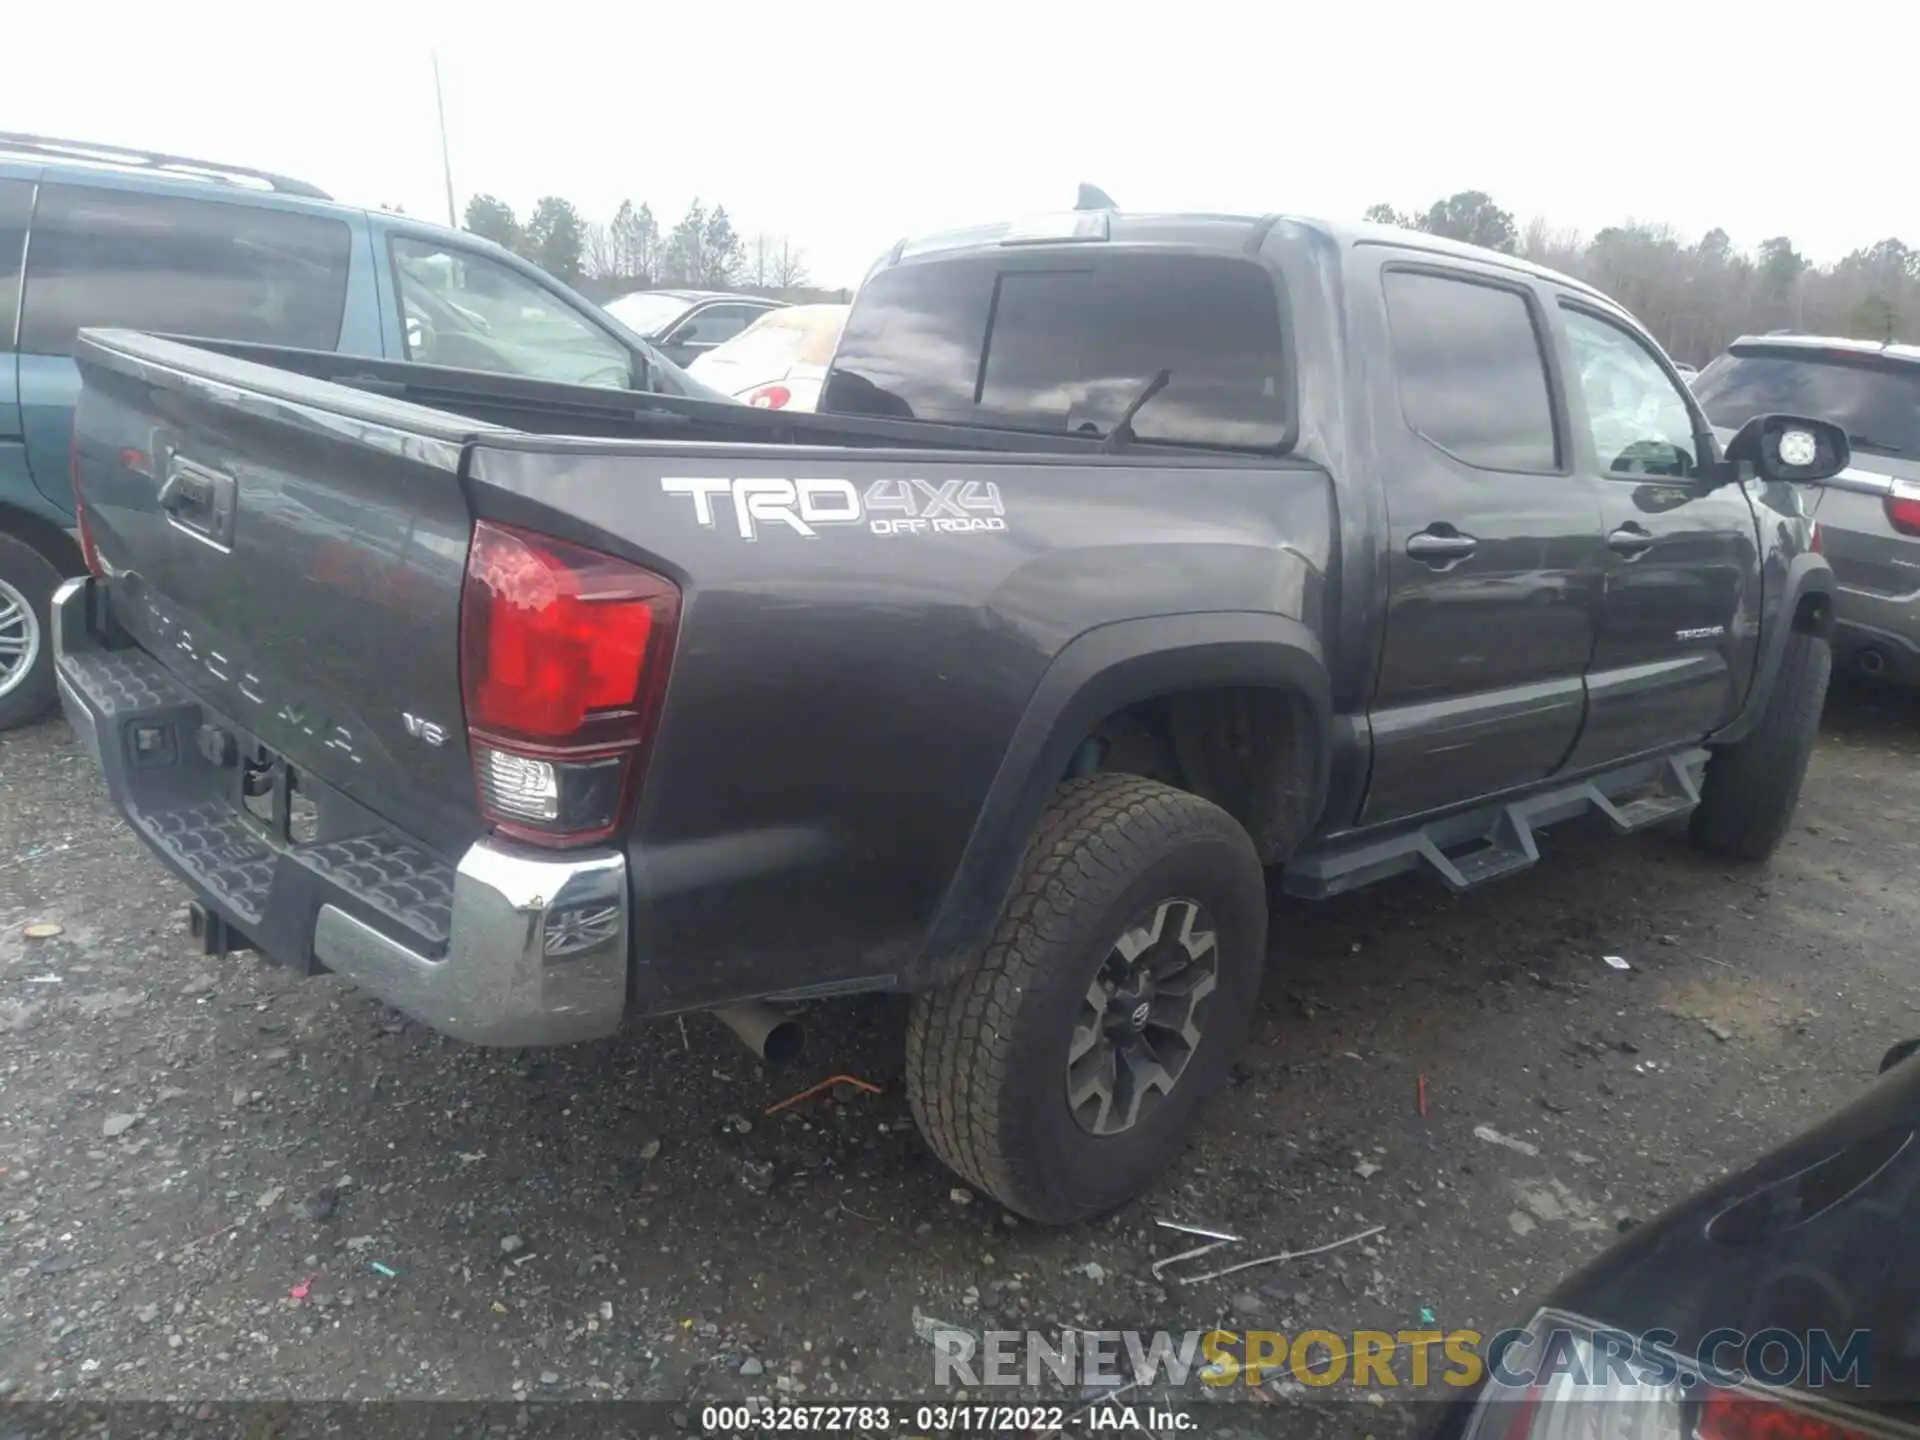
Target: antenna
1092	197
446	166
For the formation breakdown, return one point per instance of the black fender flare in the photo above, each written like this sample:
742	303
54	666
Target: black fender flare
1102	671
1807	574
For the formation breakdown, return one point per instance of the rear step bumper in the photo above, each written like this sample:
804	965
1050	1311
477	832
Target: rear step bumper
509	947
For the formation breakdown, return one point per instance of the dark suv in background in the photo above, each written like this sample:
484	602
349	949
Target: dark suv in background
1869	515
97	235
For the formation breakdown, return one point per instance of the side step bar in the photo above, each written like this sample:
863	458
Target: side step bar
1475	846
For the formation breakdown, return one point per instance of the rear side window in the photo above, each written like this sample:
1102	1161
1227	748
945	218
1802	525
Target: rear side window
1065	344
16	205
716	324
1876	402
162	263
1472	377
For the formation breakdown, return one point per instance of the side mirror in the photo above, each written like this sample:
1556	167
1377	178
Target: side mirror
1790	448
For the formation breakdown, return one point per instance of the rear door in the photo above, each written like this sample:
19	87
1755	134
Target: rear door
106	255
1495	563
1680	631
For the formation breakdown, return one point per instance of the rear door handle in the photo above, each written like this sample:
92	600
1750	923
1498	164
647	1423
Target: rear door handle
1440	545
1630	540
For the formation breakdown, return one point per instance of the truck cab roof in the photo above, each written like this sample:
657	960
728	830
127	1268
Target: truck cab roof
1226	233
1177	329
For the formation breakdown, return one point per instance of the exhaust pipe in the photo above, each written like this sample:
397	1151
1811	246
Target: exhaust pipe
1872	662
773	1035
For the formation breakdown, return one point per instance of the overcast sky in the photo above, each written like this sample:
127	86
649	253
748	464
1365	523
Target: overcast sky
847	124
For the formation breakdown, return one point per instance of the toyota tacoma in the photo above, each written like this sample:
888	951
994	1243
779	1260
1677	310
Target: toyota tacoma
1128	559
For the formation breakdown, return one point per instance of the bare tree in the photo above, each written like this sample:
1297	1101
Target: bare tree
756	269
1696	297
635	237
598	254
789	265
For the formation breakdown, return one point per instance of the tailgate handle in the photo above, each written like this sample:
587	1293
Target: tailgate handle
199	501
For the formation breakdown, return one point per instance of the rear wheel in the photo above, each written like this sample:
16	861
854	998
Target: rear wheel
1753	786
1059	1072
27	582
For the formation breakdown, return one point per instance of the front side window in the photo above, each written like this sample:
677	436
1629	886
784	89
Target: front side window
1065	345
1472	378
1641	424
471	312
222	270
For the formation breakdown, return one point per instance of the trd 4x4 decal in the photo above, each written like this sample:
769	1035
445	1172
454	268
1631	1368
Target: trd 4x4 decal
888	507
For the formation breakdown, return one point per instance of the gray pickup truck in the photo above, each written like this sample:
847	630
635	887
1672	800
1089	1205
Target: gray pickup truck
1128	557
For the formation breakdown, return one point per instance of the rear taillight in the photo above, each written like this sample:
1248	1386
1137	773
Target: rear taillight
563	664
1730	1415
1903	509
88	550
1814	542
770	397
1567	1377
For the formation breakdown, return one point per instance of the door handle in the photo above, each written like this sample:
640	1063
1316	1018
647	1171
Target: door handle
1440	545
1630	540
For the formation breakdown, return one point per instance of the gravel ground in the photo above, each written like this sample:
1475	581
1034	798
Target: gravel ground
184	1142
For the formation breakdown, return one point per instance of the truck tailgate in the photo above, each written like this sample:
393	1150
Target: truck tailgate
292	553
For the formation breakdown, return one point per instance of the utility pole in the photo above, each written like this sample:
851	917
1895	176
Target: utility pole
446	166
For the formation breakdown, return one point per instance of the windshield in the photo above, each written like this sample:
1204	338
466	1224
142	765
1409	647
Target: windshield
1875	402
647	312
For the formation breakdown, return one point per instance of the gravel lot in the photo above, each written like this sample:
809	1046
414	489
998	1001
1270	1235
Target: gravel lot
184	1141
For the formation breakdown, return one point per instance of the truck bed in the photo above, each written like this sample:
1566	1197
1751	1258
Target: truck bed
543	407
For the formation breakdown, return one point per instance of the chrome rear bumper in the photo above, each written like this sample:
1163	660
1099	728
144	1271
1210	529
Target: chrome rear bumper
511	946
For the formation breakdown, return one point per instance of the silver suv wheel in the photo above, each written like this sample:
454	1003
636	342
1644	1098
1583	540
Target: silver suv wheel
20	639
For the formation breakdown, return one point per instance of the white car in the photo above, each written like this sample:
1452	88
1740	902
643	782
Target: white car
780	361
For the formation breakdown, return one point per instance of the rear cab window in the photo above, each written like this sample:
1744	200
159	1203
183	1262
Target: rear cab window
1875	399
1063	343
169	264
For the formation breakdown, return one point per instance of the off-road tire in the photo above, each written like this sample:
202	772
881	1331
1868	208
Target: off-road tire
28	573
1752	786
986	1055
